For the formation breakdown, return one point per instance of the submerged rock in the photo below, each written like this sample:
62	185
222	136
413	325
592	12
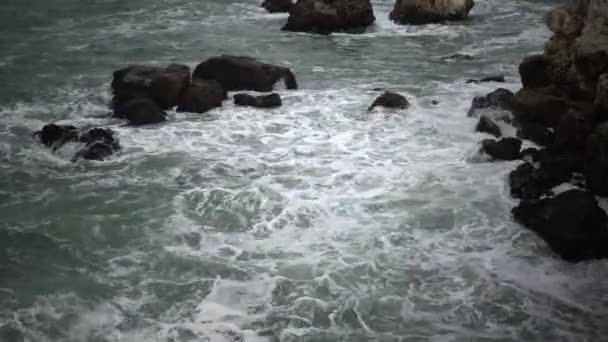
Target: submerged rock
244	73
164	86
141	111
495	78
277	6
487	125
418	12
202	96
503	149
572	224
327	16
263	101
99	143
390	100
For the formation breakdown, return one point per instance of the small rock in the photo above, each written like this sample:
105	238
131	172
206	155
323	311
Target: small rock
390	100
264	101
503	149
487	125
572	224
495	78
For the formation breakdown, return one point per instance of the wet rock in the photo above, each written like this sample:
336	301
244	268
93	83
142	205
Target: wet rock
54	136
530	182
416	12
487	125
574	128
140	111
596	161
495	78
530	154
564	22
536	133
277	6
499	98
244	73
264	101
458	57
201	96
164	86
572	224
534	72
327	16
503	149
390	100
543	106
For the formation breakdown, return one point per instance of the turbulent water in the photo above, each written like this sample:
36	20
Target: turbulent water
315	221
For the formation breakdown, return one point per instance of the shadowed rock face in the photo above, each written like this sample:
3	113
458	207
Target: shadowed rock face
244	73
327	16
417	12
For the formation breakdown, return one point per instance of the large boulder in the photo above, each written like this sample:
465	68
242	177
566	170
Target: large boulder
162	85
277	6
244	73
264	101
327	16
416	12
503	149
596	161
141	111
534	72
390	100
201	96
545	106
572	224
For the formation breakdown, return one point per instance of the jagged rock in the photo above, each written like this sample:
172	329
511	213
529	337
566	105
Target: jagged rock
495	78
201	96
390	100
327	16
564	22
244	73
277	6
162	85
596	161
572	224
530	182
487	125
264	101
534	72
416	12
140	111
536	133
500	98
503	149
55	136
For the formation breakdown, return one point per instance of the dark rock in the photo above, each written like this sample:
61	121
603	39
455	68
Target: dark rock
244	73
264	101
277	6
564	22
596	161
487	125
417	12
530	154
573	129
572	224
55	136
536	133
390	100
201	96
495	78
141	111
327	16
503	149
529	182
534	72
499	98
544	106
162	85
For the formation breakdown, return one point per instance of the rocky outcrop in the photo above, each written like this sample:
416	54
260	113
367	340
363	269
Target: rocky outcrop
390	100
264	101
498	99
244	73
202	96
277	6
327	16
416	12
572	224
503	149
140	111
96	143
164	86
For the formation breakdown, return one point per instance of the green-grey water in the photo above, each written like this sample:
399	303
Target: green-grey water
315	221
